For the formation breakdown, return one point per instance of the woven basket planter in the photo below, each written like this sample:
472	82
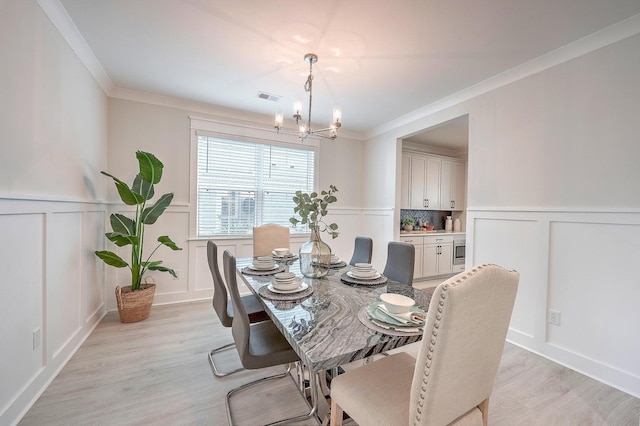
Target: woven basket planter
134	306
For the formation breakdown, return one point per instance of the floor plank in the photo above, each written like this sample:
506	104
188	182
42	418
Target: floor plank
156	372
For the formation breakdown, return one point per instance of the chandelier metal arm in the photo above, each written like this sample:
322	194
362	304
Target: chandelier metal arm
305	128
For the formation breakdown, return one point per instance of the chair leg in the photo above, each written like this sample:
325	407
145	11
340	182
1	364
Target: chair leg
484	408
217	372
336	414
250	385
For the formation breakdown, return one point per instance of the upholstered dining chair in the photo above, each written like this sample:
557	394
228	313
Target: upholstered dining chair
400	262
224	309
453	377
362	251
260	344
268	237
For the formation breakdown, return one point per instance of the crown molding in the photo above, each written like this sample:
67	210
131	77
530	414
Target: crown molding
60	18
604	37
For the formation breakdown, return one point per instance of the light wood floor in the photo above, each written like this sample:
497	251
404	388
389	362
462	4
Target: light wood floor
156	373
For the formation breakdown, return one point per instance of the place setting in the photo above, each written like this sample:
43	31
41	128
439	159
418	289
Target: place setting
285	286
262	266
363	274
394	314
283	254
336	263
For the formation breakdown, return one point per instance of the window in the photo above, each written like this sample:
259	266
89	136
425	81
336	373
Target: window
242	184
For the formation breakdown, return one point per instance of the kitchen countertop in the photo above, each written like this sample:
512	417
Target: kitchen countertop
437	231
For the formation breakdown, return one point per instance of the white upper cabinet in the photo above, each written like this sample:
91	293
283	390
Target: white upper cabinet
432	183
405	196
452	185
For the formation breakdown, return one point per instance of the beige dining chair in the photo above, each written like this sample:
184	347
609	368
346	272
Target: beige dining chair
259	345
268	237
224	309
362	251
453	377
400	262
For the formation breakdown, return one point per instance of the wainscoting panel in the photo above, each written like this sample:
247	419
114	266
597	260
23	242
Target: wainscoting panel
596	288
52	284
511	244
21	303
93	270
64	275
378	224
580	264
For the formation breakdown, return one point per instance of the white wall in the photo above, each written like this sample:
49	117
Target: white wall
552	192
53	125
165	131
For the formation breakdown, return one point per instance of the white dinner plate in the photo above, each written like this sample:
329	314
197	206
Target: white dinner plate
369	277
303	287
263	268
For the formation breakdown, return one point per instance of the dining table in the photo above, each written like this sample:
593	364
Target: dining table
326	323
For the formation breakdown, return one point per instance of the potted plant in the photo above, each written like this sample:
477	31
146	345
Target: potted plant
134	301
315	255
408	223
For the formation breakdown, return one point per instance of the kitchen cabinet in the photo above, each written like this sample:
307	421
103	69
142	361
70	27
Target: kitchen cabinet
452	185
405	182
424	183
417	242
437	255
432	183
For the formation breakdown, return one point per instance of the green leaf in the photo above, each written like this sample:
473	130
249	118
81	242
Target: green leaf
163	269
142	187
122	240
165	240
127	196
151	264
151	214
122	224
111	259
150	167
333	226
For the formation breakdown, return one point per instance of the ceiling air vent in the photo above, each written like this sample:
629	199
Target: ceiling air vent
269	96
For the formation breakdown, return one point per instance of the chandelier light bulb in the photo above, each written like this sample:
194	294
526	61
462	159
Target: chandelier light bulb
304	128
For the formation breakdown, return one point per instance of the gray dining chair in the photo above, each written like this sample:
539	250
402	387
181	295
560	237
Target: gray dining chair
453	376
224	309
400	262
362	251
259	345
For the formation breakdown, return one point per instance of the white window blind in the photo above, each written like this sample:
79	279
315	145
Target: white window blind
241	184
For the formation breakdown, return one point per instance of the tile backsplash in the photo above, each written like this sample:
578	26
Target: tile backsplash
432	217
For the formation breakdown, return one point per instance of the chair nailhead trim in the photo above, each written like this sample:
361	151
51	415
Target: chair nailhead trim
433	341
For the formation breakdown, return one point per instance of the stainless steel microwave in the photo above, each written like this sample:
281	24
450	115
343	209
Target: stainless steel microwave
459	247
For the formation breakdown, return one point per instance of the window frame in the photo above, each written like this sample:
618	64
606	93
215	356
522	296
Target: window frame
240	132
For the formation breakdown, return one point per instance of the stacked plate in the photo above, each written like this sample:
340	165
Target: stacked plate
334	259
363	271
286	282
263	263
397	312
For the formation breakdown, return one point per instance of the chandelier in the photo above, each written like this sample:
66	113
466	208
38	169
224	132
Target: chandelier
304	128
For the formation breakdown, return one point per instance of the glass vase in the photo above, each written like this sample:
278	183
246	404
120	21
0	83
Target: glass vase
315	256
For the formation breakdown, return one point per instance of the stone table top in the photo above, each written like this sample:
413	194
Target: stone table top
324	328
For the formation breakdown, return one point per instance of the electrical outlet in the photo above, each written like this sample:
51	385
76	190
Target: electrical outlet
36	338
554	317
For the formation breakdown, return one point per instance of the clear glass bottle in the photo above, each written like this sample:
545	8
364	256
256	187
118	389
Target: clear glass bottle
315	256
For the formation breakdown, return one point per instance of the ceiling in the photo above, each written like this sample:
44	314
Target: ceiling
379	60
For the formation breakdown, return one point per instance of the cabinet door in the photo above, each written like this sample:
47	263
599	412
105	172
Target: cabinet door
445	258
446	178
458	185
405	182
432	183
417	182
430	260
417	245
